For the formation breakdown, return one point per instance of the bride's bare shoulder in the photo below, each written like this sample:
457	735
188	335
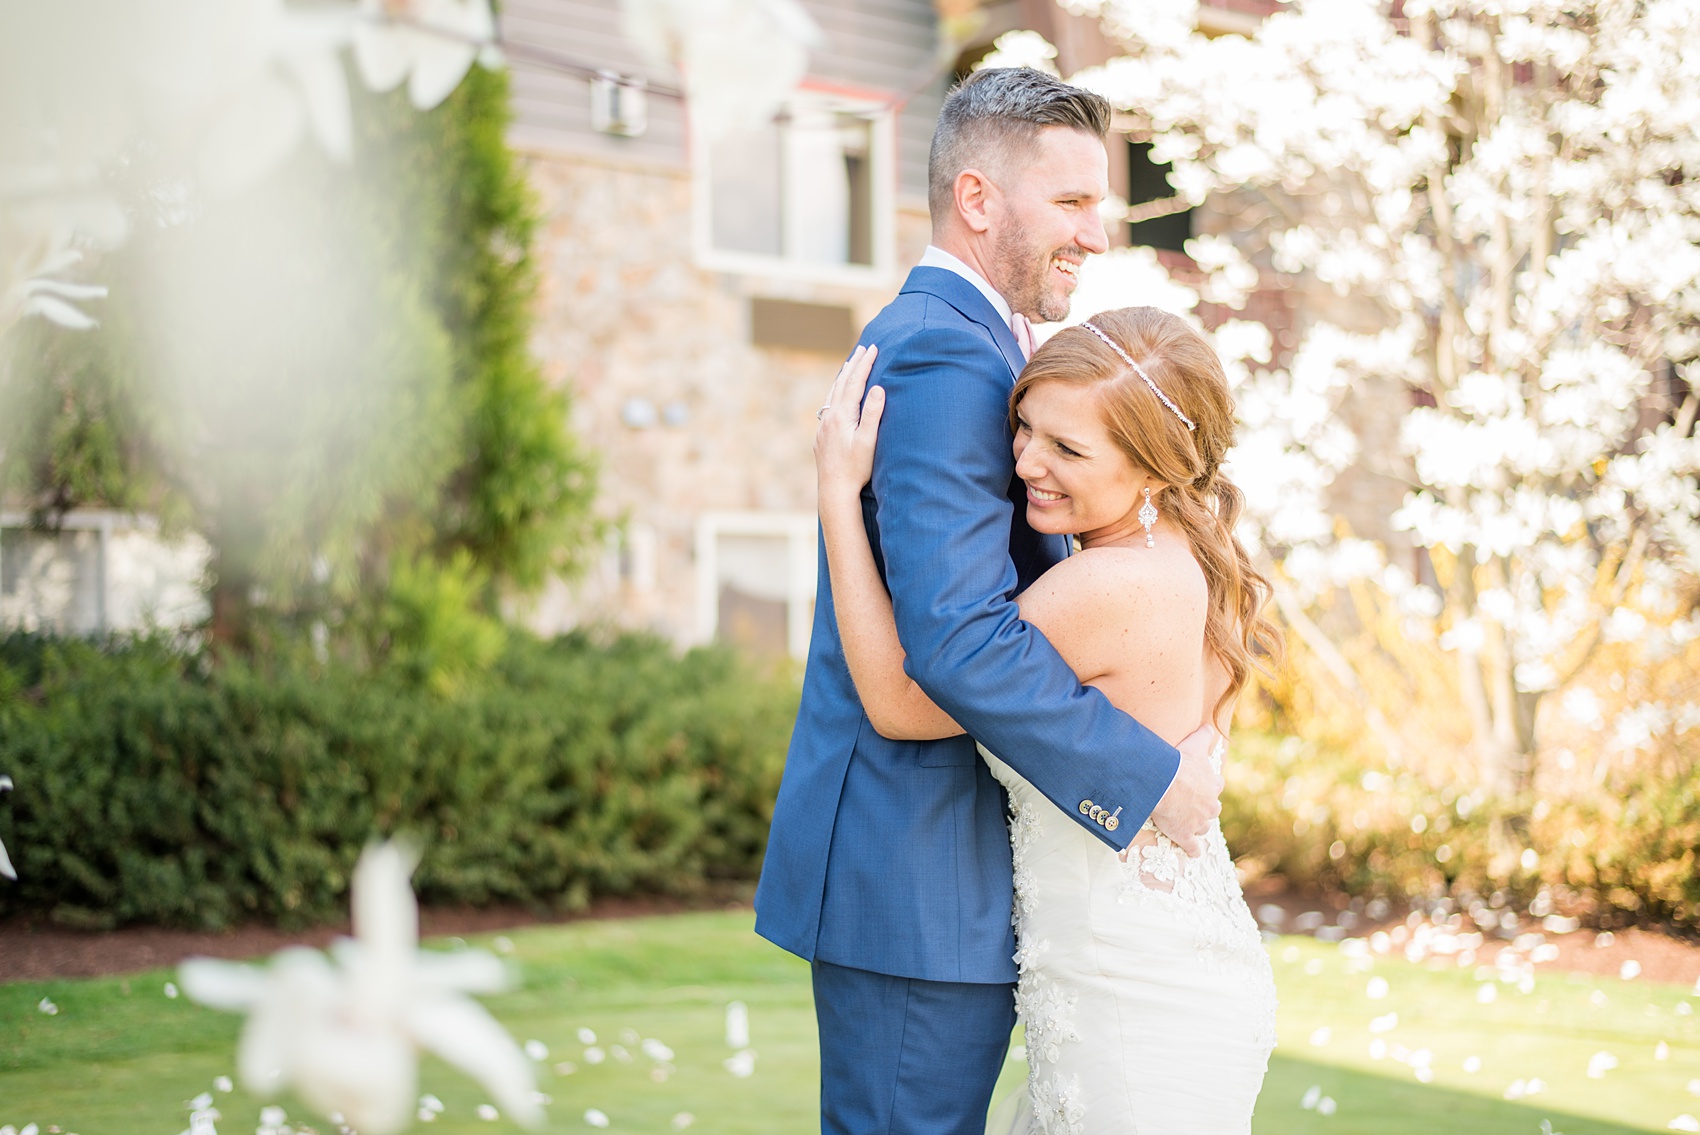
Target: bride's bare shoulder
1142	575
1118	591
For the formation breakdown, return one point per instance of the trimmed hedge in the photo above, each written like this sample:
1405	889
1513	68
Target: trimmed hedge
156	787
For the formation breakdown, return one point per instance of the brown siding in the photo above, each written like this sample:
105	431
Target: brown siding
881	46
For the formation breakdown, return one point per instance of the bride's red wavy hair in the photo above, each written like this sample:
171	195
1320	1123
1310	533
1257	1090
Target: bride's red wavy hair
1196	495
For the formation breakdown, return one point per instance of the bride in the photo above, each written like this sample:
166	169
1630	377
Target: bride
1147	996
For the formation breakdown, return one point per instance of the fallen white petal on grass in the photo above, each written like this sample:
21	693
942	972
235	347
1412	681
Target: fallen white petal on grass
596	1117
586	1036
1326	1106
47	1006
1630	970
488	1113
273	1116
171	990
737	1025
619	1053
1385	1023
502	944
1599	1064
430	1103
683	1120
1694	1087
1311	1096
1472	1064
223	1084
655	1050
1661	1051
1598	999
1376	989
1322	1036
594	1055
565	1068
741	1064
1487	993
537	1050
1683	1122
1378	1049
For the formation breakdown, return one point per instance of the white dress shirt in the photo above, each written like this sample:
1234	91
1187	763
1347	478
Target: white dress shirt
936	257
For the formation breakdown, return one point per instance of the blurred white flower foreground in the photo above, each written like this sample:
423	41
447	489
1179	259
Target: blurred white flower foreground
6	868
216	93
344	1032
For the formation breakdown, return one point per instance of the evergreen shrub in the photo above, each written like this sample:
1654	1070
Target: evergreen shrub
153	787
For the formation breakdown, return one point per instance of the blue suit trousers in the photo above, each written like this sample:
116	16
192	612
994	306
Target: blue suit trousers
904	1056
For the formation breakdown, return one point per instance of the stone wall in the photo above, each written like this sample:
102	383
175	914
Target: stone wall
687	417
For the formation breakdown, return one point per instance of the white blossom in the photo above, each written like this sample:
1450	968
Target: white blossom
1021	48
343	1032
429	44
741	59
217	92
6	867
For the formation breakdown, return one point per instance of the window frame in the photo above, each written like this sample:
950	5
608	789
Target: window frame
800	532
881	113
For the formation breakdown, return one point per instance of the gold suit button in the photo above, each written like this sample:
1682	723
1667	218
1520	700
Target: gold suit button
1097	814
1112	824
1085	807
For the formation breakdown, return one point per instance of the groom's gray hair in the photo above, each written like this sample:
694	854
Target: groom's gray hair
991	121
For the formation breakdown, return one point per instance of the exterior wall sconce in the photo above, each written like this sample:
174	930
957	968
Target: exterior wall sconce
618	104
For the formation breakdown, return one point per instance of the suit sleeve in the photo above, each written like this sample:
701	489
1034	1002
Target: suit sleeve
941	481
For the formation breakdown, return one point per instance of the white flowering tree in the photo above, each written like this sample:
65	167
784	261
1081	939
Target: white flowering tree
1505	197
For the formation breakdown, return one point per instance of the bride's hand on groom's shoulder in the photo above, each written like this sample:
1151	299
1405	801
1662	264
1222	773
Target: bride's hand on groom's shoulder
849	426
1194	798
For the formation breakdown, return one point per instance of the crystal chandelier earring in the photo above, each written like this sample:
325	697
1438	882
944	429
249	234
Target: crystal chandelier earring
1148	517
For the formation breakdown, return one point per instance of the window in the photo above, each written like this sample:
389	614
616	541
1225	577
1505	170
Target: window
809	194
756	580
1149	181
99	572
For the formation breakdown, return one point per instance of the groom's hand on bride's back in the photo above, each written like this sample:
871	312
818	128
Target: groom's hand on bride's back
1194	797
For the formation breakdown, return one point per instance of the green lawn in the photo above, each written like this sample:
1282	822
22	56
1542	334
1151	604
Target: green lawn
120	1058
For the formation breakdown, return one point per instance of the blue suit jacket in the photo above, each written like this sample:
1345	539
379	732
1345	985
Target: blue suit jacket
893	856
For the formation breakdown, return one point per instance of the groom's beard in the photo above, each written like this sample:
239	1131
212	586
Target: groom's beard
1028	280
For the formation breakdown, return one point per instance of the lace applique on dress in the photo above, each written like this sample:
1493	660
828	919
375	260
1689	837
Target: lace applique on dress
1205	891
1046	1010
1057	1104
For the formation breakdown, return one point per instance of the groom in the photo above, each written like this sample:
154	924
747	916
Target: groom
888	866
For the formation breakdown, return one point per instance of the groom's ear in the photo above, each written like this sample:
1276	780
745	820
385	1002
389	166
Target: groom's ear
975	199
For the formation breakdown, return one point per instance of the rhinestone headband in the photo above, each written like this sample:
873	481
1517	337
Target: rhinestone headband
1140	371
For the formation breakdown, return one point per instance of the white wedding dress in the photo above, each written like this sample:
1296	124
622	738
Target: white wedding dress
1146	993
